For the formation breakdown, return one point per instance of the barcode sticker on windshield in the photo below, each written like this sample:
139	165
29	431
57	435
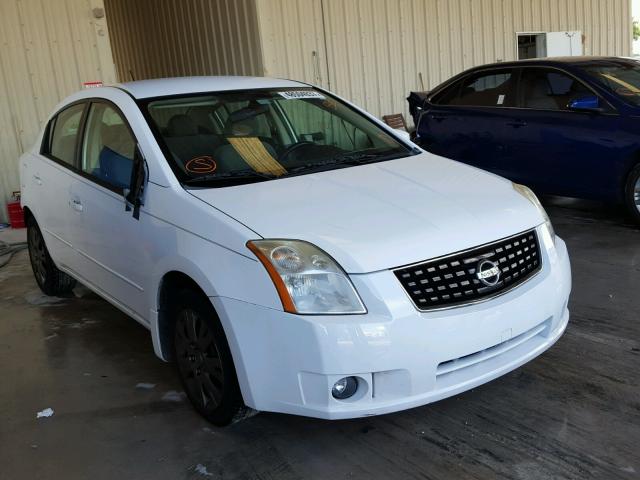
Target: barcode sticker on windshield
300	94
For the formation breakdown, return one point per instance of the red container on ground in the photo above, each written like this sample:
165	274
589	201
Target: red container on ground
16	213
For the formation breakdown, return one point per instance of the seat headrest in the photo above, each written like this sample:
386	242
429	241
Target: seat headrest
249	112
118	139
247	128
181	125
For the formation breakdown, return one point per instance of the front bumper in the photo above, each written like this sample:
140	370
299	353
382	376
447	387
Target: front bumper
402	358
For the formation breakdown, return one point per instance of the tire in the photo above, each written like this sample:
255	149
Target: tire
204	361
51	281
632	193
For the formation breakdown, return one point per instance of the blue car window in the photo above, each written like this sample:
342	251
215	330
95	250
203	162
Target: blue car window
559	84
544	89
485	89
622	78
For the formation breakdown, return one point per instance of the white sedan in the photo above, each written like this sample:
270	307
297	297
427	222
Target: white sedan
287	250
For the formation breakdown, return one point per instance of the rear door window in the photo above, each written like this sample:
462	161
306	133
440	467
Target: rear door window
485	89
64	134
549	89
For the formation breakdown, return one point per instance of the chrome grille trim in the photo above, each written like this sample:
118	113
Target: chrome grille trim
450	281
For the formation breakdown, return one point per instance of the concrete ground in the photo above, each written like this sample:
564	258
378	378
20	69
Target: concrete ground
572	413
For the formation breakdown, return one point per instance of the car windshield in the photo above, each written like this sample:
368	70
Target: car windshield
621	78
230	138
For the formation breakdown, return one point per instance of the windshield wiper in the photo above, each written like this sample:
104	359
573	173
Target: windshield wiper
358	158
231	177
348	159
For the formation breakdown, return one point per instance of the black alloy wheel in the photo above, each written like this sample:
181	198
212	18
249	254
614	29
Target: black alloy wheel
204	361
50	279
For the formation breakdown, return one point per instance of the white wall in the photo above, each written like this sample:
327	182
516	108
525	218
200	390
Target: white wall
47	49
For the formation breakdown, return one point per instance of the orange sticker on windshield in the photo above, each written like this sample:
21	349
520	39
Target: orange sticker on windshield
201	165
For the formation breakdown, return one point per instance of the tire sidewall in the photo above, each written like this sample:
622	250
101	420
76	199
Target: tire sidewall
629	200
231	401
45	285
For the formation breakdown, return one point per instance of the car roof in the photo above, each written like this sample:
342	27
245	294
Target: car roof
161	87
560	61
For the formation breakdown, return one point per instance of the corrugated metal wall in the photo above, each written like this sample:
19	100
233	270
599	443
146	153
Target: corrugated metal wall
48	48
293	40
167	38
372	52
375	51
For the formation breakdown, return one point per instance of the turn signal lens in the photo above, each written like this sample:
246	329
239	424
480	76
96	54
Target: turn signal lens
529	195
307	279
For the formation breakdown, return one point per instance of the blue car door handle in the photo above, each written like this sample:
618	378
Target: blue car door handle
436	117
517	123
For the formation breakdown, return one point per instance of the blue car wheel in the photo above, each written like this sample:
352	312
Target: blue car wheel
632	193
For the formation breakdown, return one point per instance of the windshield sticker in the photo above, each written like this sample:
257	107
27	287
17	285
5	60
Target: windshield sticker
301	94
201	165
500	99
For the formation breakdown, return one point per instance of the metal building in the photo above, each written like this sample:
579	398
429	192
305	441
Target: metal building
372	52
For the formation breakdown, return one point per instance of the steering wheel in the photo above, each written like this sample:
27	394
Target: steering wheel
292	148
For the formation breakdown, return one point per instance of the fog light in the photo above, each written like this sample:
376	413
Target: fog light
344	388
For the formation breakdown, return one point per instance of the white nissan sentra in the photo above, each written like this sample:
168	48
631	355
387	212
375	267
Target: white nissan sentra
288	251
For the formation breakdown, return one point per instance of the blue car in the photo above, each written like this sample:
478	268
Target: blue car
564	126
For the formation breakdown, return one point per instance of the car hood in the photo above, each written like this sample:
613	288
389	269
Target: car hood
382	215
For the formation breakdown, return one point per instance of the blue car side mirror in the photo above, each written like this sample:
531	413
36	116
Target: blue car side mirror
589	103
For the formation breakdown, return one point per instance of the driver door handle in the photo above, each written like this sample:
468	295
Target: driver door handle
37	179
76	204
517	123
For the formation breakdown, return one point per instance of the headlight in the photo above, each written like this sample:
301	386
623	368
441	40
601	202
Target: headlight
308	280
529	195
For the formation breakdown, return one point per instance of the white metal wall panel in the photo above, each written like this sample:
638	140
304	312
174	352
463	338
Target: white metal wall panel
290	32
378	50
47	49
167	38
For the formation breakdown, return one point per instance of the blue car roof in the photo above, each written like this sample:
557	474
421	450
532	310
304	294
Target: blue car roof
561	61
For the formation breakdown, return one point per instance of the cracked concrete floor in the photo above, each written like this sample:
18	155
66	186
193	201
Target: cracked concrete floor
118	411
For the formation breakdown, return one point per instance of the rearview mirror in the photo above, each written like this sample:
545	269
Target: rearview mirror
589	103
134	195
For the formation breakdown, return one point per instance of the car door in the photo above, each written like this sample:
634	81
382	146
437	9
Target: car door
468	120
553	148
110	240
52	179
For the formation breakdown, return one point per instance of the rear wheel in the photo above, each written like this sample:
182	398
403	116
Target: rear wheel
204	361
51	281
632	193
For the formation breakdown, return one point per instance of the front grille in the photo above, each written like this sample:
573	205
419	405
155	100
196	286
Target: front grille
454	279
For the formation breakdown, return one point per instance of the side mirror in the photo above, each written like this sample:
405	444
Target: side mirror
589	103
134	195
406	136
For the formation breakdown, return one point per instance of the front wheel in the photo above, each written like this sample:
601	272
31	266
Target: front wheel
204	361
51	281
632	193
